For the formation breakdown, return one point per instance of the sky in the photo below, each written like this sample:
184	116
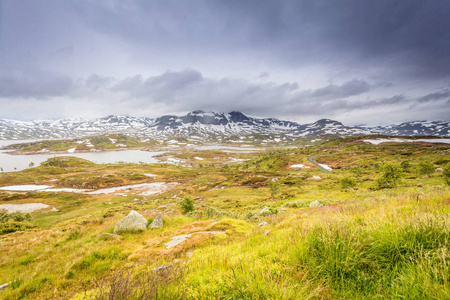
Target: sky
355	61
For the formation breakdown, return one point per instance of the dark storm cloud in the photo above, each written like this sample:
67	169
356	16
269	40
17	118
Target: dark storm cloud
406	37
189	90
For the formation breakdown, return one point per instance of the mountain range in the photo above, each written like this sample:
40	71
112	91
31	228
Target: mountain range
205	124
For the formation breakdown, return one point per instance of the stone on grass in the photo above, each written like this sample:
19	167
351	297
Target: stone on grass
157	222
4	286
264	211
315	204
162	268
264	224
133	222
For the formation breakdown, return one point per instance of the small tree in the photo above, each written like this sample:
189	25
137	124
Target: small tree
389	177
187	205
425	167
406	165
347	182
446	173
274	187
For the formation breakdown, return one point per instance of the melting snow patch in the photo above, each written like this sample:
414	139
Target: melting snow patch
72	150
141	189
326	167
25	188
297	166
199	158
379	141
150	175
25	208
65	190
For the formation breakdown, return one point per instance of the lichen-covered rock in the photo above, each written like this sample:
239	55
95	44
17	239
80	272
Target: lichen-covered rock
133	222
315	204
157	222
263	224
264	211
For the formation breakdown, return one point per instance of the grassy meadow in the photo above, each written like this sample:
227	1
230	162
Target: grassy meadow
383	231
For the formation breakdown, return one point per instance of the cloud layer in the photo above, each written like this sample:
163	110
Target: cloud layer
354	60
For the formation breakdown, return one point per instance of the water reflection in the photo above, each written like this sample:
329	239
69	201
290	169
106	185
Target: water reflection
11	163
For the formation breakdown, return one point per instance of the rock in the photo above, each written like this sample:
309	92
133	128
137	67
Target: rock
355	188
420	185
4	286
267	232
315	204
161	268
133	222
439	170
157	222
162	207
262	224
264	211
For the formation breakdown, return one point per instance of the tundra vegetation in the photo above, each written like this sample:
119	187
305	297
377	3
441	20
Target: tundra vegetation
383	231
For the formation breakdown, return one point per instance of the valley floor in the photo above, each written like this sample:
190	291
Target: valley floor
248	225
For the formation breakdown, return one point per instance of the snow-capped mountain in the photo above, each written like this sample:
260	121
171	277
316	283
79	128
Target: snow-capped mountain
331	127
202	124
416	128
234	123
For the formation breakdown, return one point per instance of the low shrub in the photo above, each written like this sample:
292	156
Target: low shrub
187	205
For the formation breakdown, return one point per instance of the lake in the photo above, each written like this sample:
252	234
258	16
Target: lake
11	163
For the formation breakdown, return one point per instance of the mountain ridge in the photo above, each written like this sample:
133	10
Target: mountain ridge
205	124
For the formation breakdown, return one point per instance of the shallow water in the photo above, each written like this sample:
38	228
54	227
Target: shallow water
10	163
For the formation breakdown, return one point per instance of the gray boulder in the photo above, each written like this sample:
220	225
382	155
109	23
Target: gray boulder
4	286
315	204
264	211
262	224
157	222
133	222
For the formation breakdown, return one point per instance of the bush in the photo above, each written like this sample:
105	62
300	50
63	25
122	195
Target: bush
13	226
390	176
405	165
187	205
425	168
347	182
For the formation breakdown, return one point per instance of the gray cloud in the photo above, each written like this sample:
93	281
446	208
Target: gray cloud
264	57
402	37
188	90
34	84
434	96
